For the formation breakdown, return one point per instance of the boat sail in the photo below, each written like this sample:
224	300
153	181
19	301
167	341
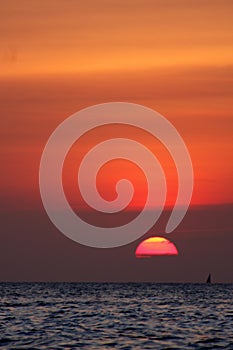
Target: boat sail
208	279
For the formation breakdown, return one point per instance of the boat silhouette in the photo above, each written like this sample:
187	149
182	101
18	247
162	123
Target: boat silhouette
208	279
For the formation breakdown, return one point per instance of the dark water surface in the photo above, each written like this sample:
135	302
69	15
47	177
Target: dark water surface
116	316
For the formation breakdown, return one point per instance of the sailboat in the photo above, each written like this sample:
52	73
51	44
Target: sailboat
208	279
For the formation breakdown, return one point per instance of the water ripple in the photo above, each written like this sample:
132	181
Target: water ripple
115	316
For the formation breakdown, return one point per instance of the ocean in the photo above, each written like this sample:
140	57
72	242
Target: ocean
116	316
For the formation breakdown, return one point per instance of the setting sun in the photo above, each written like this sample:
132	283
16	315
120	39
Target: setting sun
155	246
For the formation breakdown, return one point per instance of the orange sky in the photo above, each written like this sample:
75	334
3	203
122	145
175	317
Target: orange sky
57	57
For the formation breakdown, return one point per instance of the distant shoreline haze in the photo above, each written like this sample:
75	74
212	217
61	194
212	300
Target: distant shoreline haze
204	240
